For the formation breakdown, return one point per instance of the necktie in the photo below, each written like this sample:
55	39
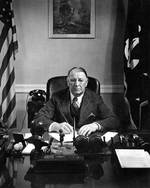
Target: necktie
75	108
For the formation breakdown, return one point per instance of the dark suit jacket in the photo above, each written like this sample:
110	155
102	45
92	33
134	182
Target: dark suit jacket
92	109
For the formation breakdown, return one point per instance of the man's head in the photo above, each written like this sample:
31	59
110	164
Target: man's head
77	80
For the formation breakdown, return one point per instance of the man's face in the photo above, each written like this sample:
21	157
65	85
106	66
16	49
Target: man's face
77	82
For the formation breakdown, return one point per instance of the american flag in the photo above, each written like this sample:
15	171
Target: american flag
8	48
136	61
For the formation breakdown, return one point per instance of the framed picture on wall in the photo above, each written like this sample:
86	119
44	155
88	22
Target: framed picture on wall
72	18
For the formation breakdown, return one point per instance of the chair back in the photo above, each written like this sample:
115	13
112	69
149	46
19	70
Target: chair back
58	83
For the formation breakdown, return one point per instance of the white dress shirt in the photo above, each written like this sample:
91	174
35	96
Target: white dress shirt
79	99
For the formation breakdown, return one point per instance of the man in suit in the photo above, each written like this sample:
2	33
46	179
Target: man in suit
77	107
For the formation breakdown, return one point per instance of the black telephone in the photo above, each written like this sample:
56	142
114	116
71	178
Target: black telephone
38	94
36	101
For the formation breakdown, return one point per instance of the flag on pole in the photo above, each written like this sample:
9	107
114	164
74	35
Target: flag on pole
8	49
135	63
132	64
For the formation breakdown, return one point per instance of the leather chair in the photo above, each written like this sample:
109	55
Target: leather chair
57	83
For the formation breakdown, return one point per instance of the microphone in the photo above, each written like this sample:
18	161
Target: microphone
61	135
81	144
74	128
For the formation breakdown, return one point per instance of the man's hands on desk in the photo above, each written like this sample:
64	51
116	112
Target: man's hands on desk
85	130
65	127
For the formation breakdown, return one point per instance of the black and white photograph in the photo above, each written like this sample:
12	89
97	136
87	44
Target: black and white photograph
74	93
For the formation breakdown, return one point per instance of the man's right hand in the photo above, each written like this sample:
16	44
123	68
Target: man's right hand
65	127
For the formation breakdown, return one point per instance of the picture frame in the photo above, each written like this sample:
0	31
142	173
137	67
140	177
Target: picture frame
71	18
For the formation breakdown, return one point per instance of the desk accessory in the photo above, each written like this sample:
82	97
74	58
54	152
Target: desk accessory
64	157
36	101
130	154
91	145
61	136
38	143
130	141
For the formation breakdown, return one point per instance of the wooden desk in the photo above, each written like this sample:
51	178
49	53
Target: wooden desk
16	173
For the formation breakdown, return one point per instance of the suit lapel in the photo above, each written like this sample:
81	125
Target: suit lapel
65	107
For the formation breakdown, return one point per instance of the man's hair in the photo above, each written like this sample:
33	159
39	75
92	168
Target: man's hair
78	68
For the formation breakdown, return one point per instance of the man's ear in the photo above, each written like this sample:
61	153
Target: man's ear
87	82
67	79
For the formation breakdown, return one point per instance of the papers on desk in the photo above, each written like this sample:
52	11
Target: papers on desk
109	135
133	158
27	135
67	137
29	147
27	150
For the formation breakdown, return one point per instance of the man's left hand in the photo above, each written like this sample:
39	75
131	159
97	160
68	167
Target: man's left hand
87	129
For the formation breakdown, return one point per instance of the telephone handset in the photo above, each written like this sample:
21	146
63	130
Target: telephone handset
38	94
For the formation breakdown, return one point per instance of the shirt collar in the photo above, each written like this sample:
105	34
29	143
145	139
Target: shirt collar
79	98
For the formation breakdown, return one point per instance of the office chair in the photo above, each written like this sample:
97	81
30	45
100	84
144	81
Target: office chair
59	82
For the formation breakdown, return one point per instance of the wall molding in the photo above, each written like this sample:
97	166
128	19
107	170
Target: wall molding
26	88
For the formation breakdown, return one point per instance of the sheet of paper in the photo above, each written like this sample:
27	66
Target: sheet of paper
27	135
133	158
109	135
67	137
28	148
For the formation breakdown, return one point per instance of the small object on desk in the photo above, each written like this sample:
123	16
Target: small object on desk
112	141
18	146
38	142
27	135
18	138
61	135
81	143
96	144
109	135
104	140
48	148
91	145
67	137
131	141
27	150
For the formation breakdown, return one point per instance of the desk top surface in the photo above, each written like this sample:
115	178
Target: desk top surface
17	174
104	173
